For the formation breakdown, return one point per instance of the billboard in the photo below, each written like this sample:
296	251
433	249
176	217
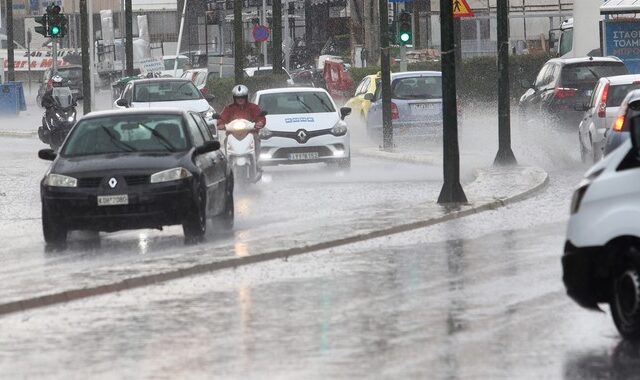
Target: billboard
622	39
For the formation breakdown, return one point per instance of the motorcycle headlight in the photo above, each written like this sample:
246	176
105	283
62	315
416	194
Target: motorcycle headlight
265	134
340	129
58	180
174	174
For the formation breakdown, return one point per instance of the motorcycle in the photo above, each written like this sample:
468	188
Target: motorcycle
241	152
58	118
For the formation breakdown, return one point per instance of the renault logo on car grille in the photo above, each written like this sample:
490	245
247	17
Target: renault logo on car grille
113	183
302	136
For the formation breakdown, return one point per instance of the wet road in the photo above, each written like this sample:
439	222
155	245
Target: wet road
479	297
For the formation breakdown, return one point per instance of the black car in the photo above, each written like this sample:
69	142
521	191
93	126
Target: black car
71	76
136	169
563	86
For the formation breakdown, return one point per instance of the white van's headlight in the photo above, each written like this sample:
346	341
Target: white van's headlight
58	180
265	134
340	129
174	174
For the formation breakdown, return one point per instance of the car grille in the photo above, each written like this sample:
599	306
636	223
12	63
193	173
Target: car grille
134	180
89	182
323	151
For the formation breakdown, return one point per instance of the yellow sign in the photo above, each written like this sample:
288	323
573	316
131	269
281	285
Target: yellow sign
462	9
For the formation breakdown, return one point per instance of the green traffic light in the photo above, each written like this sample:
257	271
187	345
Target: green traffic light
55	30
405	37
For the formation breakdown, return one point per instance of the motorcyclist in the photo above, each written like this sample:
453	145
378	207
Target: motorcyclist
48	102
241	108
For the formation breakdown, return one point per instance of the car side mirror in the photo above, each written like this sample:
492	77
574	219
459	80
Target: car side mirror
47	154
210	97
344	112
634	129
215	116
122	102
368	96
207	147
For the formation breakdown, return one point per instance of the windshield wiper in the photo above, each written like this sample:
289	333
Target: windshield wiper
166	143
324	104
305	105
115	140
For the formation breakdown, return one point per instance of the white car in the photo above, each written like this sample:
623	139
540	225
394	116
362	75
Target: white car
601	112
265	71
304	125
601	260
166	93
169	65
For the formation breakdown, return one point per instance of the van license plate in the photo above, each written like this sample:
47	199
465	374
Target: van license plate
303	156
113	200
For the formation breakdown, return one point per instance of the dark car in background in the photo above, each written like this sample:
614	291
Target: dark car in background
563	86
72	76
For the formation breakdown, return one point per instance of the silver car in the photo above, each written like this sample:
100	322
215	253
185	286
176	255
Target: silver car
601	111
416	105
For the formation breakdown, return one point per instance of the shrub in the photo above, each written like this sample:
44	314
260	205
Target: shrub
221	88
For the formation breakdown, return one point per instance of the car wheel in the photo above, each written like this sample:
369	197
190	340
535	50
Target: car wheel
195	225
53	228
584	155
625	303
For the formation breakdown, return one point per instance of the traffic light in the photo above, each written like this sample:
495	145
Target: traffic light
56	22
44	30
405	35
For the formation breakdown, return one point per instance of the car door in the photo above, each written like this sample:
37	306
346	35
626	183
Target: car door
588	118
358	97
209	163
531	97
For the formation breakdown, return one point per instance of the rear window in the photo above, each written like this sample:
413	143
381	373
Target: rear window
589	72
619	92
417	88
165	91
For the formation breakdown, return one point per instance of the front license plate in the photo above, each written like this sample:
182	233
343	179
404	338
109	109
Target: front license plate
113	200
303	156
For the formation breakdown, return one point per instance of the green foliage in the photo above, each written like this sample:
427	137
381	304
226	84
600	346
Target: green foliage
479	78
221	88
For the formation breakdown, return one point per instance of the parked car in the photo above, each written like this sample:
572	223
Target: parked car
166	93
361	101
601	112
200	78
337	80
72	76
136	169
184	63
265	71
563	84
416	105
619	131
601	255
304	125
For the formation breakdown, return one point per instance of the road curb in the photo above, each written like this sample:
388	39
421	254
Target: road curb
18	134
146	280
402	157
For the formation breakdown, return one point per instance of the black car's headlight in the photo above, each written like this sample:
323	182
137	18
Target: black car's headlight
174	174
340	129
58	180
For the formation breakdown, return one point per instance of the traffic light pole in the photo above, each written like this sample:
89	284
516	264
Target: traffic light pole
505	155
403	58
128	41
86	63
238	51
385	74
11	74
452	192
54	54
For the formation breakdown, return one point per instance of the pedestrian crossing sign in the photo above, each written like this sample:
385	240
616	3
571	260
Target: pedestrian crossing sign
462	9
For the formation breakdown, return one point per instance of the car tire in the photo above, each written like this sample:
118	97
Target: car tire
226	219
195	224
53	228
625	302
584	155
345	163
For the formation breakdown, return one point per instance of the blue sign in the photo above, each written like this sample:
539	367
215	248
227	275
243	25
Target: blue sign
260	33
622	39
34	5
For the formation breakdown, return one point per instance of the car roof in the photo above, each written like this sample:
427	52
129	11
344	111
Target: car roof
570	61
411	74
135	112
623	79
283	90
632	96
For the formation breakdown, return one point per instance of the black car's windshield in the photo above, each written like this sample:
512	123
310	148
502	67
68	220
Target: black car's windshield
428	87
165	91
125	134
296	102
589	73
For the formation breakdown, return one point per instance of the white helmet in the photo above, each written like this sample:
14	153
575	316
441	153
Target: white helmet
240	91
56	80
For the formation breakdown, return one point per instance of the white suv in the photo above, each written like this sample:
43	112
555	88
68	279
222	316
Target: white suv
601	261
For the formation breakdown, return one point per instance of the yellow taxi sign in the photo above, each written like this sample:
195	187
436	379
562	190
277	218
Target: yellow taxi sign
462	9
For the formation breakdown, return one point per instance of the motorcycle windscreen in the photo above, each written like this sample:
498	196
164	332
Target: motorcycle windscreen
62	96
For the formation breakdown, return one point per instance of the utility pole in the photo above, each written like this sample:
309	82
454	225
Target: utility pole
128	41
505	155
86	63
417	8
452	191
264	22
276	36
287	36
238	41
11	74
385	74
